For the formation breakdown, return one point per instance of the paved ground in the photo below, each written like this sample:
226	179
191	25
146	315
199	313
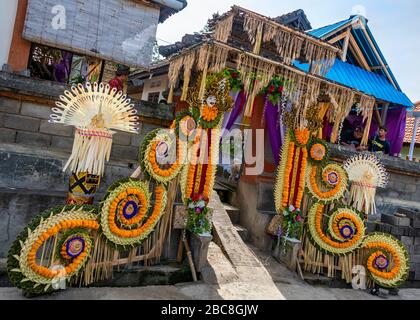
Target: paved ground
239	272
288	286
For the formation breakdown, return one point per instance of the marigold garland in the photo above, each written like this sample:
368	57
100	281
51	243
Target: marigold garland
302	178
280	175
23	269
287	175
398	265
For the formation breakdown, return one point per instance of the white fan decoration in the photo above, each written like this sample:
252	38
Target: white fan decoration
95	110
366	173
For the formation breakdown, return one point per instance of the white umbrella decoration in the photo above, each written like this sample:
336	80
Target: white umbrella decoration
95	110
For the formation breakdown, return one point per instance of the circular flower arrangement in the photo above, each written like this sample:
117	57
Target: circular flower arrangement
124	218
335	181
387	261
345	227
73	250
161	156
26	271
318	151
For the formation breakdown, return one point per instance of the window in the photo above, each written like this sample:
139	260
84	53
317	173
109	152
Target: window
153	97
50	64
62	66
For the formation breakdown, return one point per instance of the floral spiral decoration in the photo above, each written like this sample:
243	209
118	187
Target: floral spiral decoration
186	123
345	230
319	151
387	262
334	186
125	219
26	266
162	156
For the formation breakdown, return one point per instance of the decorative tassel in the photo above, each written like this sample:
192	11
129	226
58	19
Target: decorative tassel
91	149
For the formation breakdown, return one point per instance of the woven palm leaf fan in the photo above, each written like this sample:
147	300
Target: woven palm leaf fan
95	110
366	173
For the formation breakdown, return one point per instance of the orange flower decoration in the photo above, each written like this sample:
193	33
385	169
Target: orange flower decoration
209	113
318	152
302	136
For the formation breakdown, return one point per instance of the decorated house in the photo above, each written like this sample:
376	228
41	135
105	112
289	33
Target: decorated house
314	203
319	81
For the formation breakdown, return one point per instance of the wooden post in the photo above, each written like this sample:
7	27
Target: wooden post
385	114
413	139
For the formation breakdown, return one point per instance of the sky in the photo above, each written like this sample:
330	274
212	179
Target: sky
394	24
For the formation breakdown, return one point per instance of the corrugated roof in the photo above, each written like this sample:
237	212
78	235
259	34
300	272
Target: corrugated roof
321	32
364	81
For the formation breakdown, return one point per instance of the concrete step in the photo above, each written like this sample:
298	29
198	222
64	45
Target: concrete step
319	280
4	279
218	269
243	232
132	276
233	213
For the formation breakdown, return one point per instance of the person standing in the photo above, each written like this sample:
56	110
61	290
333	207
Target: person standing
120	78
380	143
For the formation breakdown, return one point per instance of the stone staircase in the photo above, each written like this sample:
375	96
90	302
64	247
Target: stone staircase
231	265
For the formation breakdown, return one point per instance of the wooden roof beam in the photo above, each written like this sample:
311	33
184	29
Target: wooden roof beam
378	56
358	53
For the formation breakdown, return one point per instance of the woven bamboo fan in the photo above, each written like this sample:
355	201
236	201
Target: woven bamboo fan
366	173
95	110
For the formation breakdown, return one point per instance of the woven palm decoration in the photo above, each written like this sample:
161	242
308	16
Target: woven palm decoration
95	110
366	173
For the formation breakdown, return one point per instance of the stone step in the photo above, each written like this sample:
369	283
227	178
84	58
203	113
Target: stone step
319	280
233	213
400	221
243	232
4	279
133	276
218	269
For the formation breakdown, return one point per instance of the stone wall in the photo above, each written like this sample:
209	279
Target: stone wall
25	107
403	190
257	204
26	123
33	151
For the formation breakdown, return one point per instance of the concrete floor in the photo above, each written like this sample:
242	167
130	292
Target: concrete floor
288	286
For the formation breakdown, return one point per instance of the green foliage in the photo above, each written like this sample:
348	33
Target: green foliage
198	220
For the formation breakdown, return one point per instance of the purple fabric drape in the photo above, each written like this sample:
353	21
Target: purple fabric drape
236	112
273	129
395	123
